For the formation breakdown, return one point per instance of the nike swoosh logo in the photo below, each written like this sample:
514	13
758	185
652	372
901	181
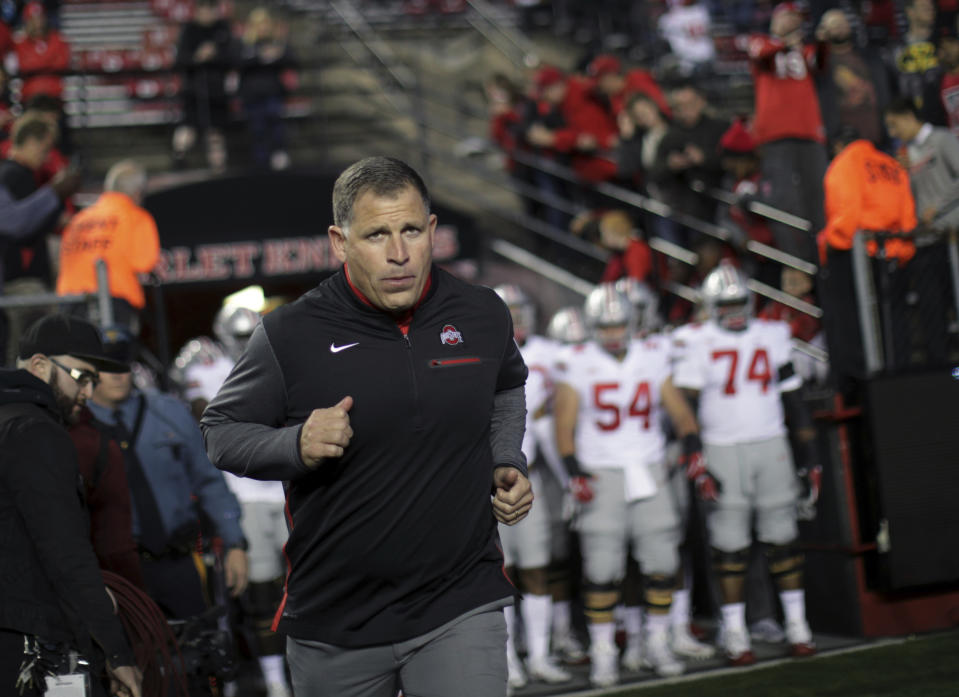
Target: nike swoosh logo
336	349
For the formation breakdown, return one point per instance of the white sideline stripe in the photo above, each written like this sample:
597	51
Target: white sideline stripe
720	672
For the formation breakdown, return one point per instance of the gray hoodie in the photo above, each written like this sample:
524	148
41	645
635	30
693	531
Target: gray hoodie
934	174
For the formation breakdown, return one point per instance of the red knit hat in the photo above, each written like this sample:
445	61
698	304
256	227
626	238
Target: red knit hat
547	76
33	9
737	140
605	64
793	7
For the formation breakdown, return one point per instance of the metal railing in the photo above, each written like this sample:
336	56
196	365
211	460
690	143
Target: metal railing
894	316
101	297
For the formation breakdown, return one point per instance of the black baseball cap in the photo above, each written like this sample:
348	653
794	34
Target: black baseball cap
59	334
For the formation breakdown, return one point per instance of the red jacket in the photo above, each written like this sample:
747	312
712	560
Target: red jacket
584	113
37	55
636	261
787	105
108	500
802	326
640	82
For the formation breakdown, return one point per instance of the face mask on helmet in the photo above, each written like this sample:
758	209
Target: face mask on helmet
233	327
520	308
732	315
611	317
614	338
524	321
644	302
726	294
568	326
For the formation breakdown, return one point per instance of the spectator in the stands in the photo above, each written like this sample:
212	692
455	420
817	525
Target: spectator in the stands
206	53
689	155
739	157
28	214
948	97
642	127
788	126
687	27
853	87
803	326
267	75
630	255
41	54
6	113
912	61
545	132
505	103
47	108
931	155
614	84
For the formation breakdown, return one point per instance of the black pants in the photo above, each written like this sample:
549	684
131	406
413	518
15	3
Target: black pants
174	585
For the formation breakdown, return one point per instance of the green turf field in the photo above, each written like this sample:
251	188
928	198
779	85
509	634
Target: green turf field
926	666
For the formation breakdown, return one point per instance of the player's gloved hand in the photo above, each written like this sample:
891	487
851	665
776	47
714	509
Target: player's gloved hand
579	480
581	489
707	486
810	484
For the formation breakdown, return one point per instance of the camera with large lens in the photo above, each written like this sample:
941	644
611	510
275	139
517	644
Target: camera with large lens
205	648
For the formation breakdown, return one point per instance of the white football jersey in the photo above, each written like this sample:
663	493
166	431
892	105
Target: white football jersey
737	376
203	381
205	377
687	28
539	355
618	423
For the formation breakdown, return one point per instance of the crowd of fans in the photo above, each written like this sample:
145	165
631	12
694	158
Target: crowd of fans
823	79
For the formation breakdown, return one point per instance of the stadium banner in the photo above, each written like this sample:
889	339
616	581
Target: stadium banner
256	228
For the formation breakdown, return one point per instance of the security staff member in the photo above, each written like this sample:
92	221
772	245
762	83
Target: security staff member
865	190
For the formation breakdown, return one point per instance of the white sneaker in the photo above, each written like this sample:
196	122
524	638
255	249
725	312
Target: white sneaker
514	667
737	648
633	655
800	638
545	670
659	657
603	671
568	649
768	630
686	645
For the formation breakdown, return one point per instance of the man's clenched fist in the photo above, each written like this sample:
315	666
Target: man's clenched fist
326	433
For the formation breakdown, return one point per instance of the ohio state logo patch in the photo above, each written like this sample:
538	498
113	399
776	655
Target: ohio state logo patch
450	335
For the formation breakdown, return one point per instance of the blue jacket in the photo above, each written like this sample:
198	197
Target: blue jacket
170	448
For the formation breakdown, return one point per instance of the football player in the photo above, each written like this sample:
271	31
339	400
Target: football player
204	366
608	400
567	329
526	545
739	369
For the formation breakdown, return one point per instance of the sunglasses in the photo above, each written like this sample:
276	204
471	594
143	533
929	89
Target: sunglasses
81	377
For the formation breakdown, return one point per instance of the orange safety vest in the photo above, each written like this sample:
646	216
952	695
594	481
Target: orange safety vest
118	231
867	190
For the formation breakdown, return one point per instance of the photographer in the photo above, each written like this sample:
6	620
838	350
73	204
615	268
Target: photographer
52	596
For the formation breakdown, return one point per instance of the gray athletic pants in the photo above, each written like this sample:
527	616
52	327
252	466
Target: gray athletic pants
465	657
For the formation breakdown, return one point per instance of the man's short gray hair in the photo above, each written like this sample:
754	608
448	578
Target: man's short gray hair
126	177
384	176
